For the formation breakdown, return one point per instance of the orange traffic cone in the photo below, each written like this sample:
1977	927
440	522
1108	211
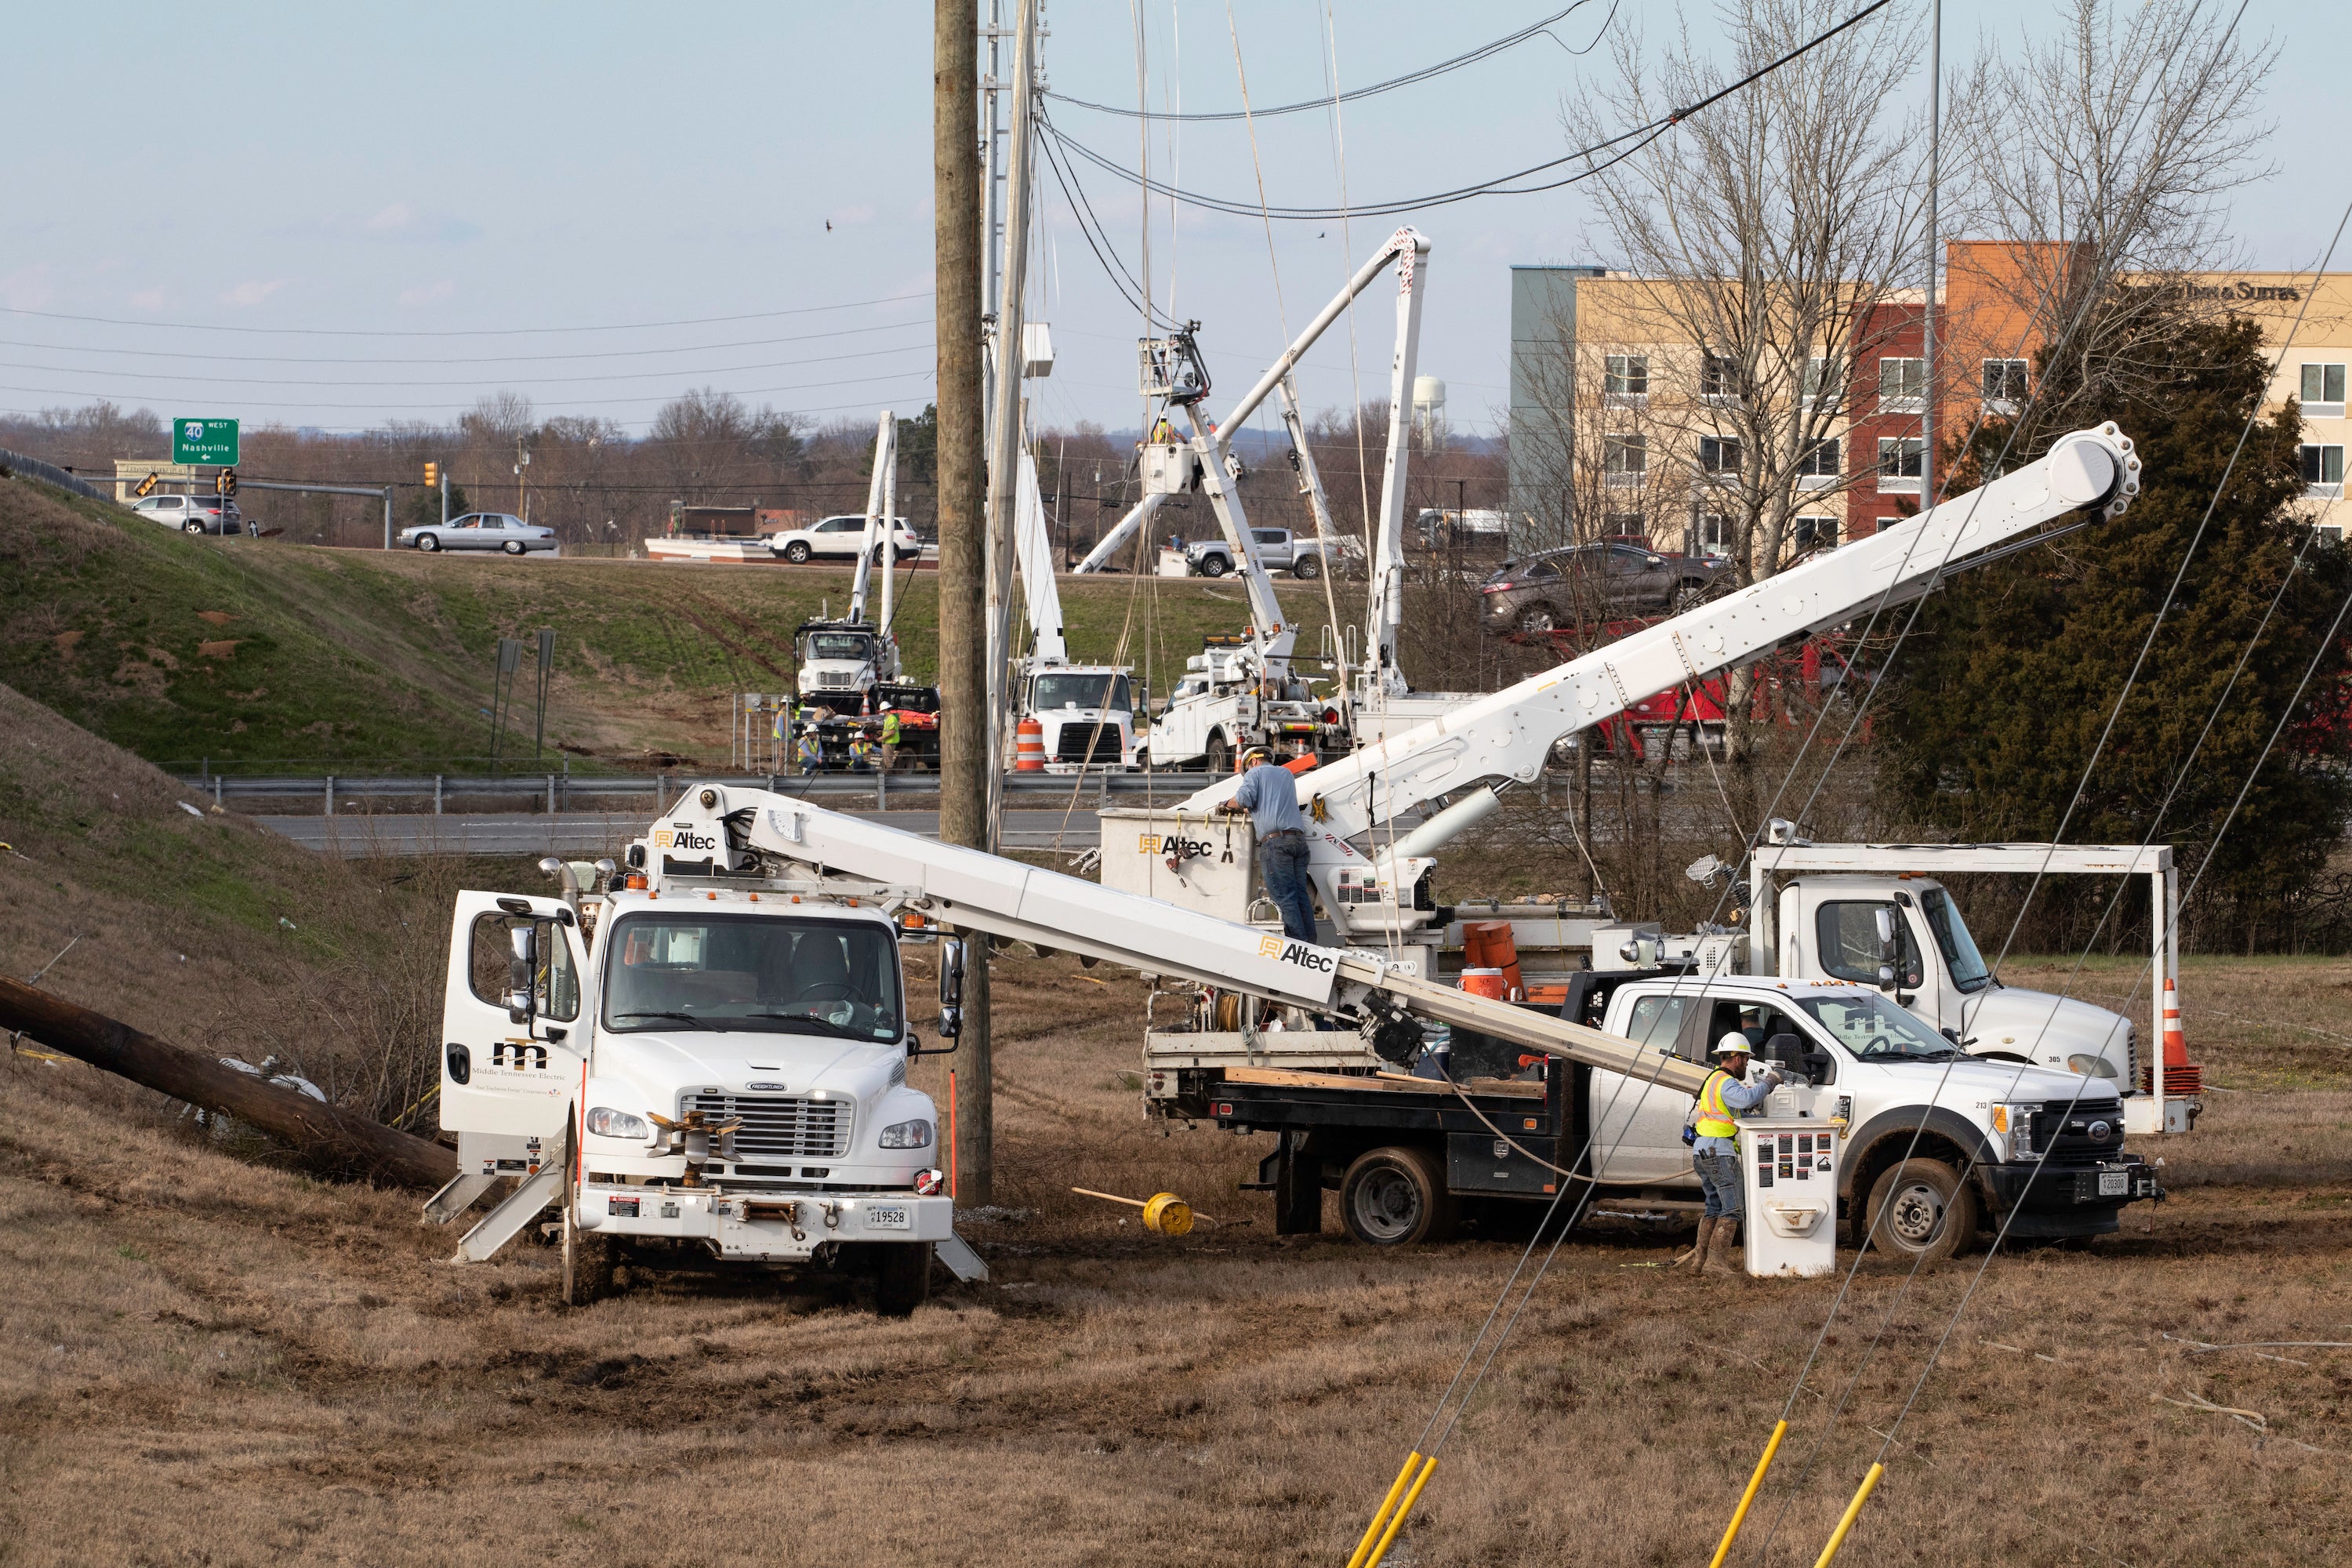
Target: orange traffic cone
2181	1077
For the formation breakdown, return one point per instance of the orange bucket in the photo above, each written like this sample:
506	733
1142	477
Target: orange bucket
1029	747
1487	983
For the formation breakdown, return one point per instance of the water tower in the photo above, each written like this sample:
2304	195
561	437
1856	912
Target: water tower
1429	410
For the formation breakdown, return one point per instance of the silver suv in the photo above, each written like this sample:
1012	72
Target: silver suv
193	514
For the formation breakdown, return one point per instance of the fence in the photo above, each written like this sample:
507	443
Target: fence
49	474
556	792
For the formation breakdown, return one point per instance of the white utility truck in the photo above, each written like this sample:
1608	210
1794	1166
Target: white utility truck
841	662
682	1060
1086	711
1403	1150
1373	878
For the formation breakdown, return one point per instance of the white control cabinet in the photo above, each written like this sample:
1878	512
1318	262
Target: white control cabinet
1788	1166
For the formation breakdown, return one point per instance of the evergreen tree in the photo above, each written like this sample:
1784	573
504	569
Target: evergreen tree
1992	711
423	506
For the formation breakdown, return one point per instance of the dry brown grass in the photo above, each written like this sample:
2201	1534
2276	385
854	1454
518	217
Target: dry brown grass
204	1363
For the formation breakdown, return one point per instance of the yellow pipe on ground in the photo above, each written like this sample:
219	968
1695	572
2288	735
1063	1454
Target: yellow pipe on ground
1396	1522
1381	1515
1747	1497
1852	1511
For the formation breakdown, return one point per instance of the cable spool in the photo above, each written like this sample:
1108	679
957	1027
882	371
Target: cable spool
1029	747
1228	1011
1168	1213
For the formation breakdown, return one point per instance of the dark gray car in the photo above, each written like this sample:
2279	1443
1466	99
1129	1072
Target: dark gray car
1588	582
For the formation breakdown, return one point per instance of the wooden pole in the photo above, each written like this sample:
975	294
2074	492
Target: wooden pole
341	1137
963	636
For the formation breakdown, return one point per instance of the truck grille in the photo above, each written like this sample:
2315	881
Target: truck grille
834	679
2066	1133
781	1127
1071	744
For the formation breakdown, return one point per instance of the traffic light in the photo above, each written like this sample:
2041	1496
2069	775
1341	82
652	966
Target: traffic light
146	487
431	475
225	482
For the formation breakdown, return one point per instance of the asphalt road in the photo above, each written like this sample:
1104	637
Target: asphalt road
584	835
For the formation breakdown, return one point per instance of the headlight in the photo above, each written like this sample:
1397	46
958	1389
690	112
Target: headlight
915	1134
2017	1122
2090	1066
606	1122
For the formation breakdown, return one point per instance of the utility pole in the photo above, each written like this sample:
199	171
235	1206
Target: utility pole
1005	422
1927	316
522	462
963	683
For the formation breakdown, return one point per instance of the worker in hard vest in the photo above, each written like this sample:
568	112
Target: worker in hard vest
1715	1152
809	749
1269	796
861	750
890	731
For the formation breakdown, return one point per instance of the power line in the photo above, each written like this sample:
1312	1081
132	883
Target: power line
536	380
1509	41
462	359
466	332
908	376
1500	186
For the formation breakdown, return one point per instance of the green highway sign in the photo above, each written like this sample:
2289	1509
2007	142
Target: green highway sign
208	441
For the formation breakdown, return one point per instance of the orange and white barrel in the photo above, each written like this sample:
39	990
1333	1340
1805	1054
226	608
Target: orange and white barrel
1487	983
1029	747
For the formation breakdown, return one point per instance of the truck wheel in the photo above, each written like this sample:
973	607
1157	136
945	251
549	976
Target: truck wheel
903	1280
1397	1197
1921	1211
1213	566
1307	568
1220	758
797	553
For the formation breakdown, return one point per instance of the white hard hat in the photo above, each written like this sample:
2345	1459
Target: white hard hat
1734	1044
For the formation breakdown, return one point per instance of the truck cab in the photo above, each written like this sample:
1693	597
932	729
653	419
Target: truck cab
841	662
1087	712
700	1065
1828	926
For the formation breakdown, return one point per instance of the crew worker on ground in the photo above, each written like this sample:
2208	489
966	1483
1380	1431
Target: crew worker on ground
1270	795
1715	1154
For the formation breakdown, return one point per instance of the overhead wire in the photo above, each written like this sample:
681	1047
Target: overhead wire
1426	73
175	375
465	359
460	331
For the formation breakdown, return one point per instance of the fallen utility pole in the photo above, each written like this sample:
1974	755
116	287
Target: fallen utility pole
964	763
343	1137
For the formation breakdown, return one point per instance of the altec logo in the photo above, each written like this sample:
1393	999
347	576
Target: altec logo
681	835
1170	844
1306	955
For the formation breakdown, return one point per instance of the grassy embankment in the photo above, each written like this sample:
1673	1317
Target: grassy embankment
179	648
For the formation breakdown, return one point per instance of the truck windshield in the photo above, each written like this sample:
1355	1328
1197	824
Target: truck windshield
853	645
751	972
1082	692
1874	1029
1960	954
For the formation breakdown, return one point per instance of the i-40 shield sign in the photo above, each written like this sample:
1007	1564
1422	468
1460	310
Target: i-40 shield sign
204	441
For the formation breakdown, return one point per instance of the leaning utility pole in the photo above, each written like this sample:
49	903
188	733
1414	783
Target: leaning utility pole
1004	415
963	635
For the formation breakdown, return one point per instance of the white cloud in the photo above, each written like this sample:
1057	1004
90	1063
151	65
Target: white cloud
392	219
27	287
429	293
252	291
147	299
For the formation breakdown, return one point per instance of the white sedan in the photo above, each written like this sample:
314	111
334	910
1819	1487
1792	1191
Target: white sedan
480	531
842	537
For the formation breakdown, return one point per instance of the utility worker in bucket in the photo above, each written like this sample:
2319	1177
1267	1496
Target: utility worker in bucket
1715	1152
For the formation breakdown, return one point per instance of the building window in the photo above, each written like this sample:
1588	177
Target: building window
2323	471
1817	465
1625	525
1625	375
1900	460
1719	456
2323	392
1714	533
1624	461
1814	533
1718	379
1823	381
2004	386
1903	386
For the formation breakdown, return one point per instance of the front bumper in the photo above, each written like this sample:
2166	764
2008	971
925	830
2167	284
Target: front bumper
2068	1200
763	1226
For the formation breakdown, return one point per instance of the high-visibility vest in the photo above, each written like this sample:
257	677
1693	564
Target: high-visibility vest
811	750
1715	1119
890	728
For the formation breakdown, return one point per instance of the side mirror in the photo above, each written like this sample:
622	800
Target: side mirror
1888	948
521	970
1655	562
950	987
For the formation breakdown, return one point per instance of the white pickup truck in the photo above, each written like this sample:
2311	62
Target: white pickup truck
688	1063
1938	1145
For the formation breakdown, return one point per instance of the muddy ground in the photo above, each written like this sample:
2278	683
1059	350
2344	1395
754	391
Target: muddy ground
207	1360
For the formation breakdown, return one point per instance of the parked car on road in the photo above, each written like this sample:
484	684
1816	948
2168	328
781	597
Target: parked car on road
480	531
840	537
1593	581
193	514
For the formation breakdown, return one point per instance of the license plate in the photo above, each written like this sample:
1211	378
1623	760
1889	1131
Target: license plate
888	1216
2114	1184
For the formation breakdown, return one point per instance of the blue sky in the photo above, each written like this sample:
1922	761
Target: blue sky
395	210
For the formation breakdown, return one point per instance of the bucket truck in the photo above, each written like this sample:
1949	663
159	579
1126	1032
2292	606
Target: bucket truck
1374	880
1242	691
1086	711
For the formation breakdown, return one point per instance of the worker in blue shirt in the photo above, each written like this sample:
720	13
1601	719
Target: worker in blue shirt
1715	1152
1269	796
